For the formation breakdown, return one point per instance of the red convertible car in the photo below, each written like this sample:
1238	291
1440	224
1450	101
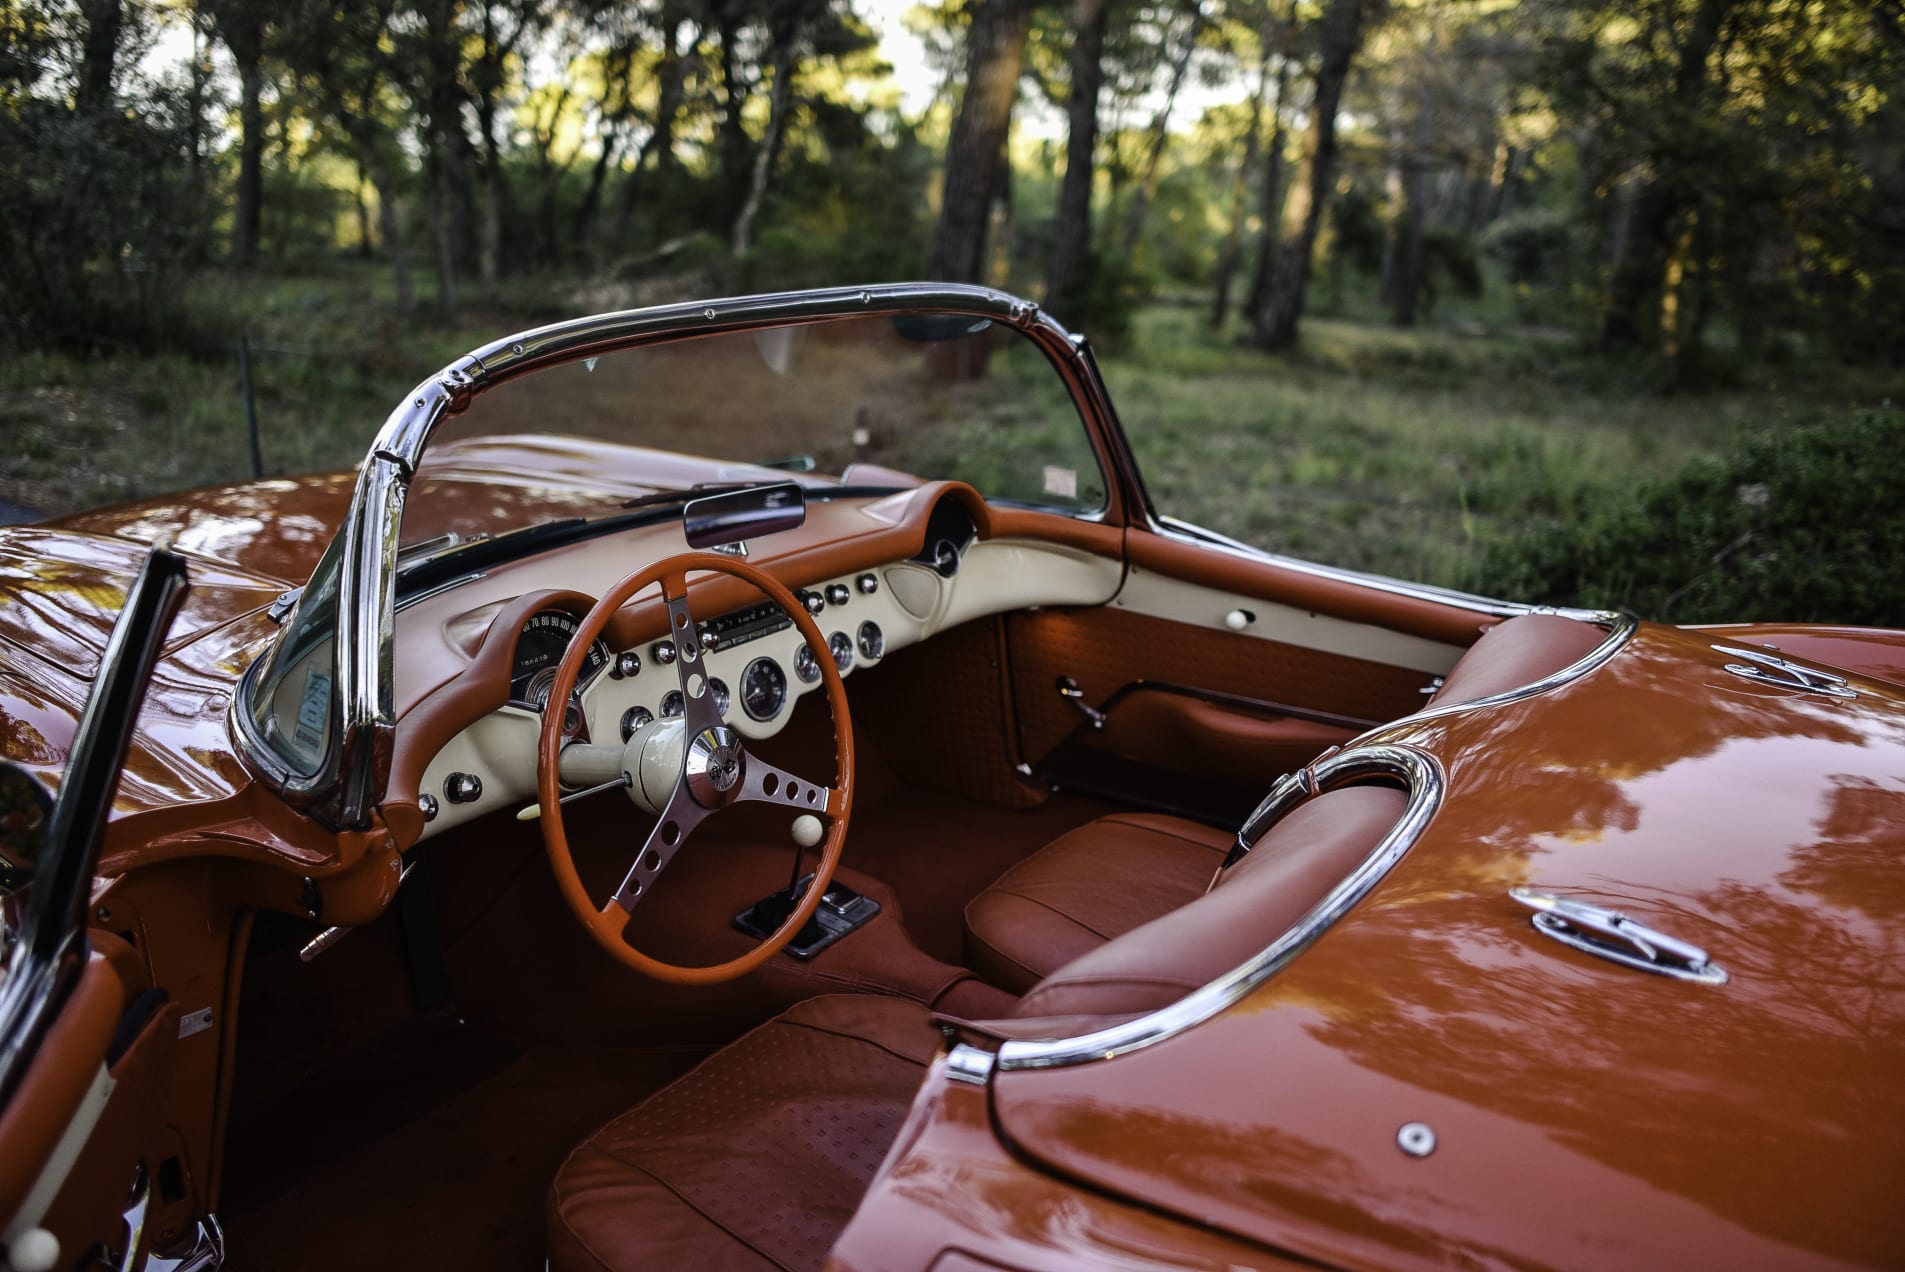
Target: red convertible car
759	784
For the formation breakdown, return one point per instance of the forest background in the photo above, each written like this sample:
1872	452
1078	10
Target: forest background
1596	301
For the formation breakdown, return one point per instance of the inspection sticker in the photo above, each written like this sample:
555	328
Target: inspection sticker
1062	482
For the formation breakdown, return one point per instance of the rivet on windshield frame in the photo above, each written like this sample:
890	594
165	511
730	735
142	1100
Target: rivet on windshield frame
516	348
1416	1139
866	298
708	314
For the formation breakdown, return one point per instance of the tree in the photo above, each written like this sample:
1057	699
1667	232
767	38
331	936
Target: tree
1071	229
1339	35
973	172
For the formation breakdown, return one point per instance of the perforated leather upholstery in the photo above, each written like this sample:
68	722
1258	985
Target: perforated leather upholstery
758	1157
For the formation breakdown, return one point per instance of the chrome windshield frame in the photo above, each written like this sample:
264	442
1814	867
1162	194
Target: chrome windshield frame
350	776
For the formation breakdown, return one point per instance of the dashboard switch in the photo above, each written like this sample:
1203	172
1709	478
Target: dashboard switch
463	788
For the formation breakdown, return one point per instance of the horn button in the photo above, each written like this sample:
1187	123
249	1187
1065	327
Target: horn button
716	766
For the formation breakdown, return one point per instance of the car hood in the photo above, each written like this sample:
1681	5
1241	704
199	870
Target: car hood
1583	1112
62	587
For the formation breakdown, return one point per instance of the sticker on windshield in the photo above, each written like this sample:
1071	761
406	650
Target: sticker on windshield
313	710
1062	482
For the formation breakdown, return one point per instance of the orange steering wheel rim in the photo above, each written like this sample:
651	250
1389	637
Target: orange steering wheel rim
608	923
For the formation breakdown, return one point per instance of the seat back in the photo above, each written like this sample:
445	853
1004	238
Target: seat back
1296	863
1516	653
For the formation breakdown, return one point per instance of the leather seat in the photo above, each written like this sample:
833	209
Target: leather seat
1085	887
757	1157
1110	877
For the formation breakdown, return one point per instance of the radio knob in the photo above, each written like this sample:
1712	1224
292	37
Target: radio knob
838	594
664	652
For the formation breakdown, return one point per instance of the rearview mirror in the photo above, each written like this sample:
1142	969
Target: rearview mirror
719	520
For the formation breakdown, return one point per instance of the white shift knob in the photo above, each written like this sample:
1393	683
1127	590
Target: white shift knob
35	1250
807	830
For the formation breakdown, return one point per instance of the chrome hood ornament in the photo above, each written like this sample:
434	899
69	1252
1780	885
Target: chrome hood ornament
1771	669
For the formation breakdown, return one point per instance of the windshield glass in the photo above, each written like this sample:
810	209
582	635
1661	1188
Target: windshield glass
863	402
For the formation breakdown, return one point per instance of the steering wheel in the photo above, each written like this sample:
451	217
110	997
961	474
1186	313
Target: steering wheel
685	770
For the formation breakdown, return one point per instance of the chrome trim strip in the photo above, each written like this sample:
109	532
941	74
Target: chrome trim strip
1418	769
1187	532
967	1063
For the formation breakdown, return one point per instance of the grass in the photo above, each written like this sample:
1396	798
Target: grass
1416	453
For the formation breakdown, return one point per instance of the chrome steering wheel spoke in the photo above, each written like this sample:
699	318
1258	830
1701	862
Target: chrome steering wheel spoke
699	712
671	830
766	783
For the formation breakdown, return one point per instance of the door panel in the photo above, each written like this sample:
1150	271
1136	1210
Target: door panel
1198	720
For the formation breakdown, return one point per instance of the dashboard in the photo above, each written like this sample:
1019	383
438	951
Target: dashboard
758	664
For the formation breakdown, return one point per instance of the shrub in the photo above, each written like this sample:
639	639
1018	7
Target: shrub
1802	525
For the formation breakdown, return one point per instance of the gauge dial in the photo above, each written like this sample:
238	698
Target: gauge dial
633	719
539	648
842	646
806	666
671	704
764	688
872	641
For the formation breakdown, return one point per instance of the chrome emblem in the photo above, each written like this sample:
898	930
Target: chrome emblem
714	765
1770	669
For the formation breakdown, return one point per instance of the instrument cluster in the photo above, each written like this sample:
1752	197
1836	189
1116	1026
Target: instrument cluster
755	658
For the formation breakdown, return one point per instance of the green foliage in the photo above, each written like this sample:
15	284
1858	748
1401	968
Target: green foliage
1798	525
101	220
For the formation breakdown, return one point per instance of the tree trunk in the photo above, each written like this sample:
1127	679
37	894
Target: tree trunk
389	224
103	22
1160	134
247	217
672	82
1270	197
1407	290
733	131
1640	268
780	99
1232	250
1276	321
995	56
1071	230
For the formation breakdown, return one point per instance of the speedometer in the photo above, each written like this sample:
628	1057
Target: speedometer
540	645
763	689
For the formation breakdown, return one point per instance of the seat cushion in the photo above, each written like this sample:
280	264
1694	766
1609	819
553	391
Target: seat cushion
1516	653
1084	888
757	1157
1296	864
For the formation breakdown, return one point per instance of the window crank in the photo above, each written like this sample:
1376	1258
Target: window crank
1068	689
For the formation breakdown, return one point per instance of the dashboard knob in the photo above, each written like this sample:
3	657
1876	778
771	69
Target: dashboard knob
463	788
427	805
837	594
664	652
627	663
868	584
709	640
814	601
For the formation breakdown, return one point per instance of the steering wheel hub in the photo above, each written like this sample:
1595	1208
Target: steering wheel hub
714	766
